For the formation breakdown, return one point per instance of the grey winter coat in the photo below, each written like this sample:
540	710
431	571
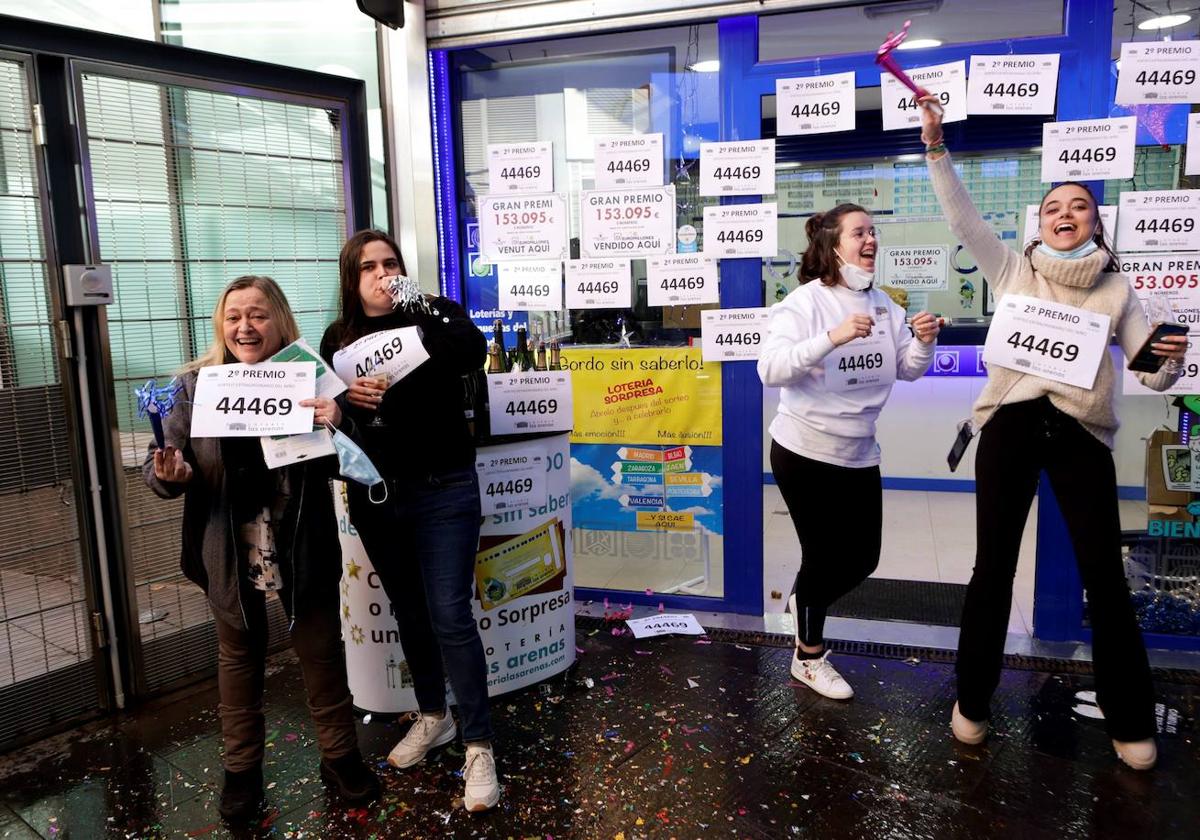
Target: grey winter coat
307	544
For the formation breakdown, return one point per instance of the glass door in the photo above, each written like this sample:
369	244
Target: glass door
646	451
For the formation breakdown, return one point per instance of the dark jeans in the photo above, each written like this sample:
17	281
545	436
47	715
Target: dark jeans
838	514
422	542
241	662
1019	442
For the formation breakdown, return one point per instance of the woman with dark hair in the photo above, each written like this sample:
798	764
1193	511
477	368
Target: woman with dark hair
1031	423
240	518
834	347
422	535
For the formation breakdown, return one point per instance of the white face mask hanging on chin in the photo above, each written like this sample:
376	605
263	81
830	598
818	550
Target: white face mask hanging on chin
855	277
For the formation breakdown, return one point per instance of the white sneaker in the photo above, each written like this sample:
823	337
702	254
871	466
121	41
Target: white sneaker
966	730
428	731
481	787
821	677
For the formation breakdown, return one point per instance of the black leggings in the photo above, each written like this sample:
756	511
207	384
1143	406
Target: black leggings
1015	446
838	514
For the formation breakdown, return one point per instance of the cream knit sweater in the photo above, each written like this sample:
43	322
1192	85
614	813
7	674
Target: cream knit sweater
1080	282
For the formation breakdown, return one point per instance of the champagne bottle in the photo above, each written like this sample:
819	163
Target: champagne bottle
540	364
495	358
498	341
522	359
555	360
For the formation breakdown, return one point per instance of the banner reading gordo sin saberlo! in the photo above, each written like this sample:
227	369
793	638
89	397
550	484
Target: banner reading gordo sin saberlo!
664	395
646	449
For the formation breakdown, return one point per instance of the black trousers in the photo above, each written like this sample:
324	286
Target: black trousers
1019	442
838	515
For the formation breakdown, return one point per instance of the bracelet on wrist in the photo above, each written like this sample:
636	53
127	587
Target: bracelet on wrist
939	146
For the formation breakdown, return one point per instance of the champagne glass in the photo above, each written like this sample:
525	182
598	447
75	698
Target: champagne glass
382	380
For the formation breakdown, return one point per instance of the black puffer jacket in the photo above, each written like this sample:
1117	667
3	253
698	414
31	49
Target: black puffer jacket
307	546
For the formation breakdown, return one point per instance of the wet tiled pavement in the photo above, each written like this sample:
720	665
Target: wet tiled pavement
666	738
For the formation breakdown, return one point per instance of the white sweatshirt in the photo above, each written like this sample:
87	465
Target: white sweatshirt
813	421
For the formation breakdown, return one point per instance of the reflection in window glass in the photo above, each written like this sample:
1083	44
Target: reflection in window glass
898	194
857	29
328	37
131	18
572	92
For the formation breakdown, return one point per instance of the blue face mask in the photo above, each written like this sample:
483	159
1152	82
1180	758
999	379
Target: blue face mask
354	464
1089	247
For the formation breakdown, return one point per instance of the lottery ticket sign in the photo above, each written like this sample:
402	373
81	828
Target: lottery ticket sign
729	335
682	279
1159	220
1012	84
1088	150
815	105
534	401
948	82
520	168
1159	72
741	230
514	478
739	168
391	353
630	160
253	400
1047	339
599	284
530	286
523	227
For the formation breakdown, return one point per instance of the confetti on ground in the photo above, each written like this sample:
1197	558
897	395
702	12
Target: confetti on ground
629	761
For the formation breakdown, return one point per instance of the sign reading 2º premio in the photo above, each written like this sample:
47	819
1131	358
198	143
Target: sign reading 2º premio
534	401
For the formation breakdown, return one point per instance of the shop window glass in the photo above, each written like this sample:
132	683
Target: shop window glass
131	18
571	92
861	28
329	37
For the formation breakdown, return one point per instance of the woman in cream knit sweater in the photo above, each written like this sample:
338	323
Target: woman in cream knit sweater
1032	423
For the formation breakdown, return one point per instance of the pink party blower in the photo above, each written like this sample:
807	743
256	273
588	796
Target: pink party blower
883	57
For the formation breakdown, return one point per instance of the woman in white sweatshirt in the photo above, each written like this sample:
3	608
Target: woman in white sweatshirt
1033	422
834	347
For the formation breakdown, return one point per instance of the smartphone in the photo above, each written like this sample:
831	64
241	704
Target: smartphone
961	441
1145	360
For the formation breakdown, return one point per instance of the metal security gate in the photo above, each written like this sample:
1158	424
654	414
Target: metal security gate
48	669
180	170
188	187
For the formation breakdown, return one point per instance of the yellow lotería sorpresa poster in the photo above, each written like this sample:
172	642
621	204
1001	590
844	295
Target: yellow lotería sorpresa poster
664	395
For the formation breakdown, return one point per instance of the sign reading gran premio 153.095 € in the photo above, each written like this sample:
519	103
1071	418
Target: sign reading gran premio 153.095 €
627	223
523	227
